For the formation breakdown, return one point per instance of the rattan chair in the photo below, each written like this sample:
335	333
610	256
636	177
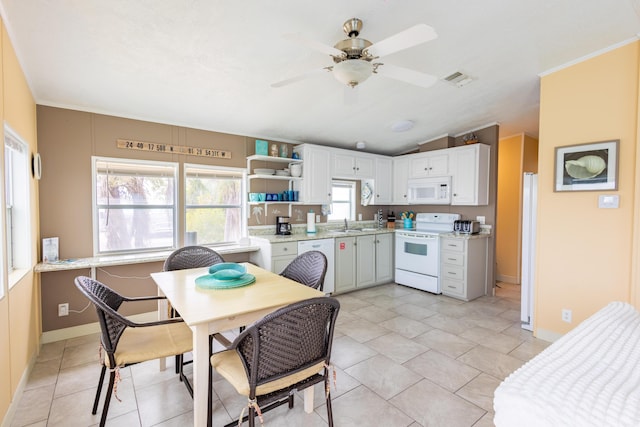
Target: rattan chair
308	268
287	350
125	342
191	257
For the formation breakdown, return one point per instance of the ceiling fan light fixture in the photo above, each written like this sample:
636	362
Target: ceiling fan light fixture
401	125
352	72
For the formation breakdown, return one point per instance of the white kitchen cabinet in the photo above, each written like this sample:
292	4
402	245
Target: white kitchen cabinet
282	254
350	164
469	166
384	257
400	179
429	163
315	186
383	184
273	256
463	267
363	261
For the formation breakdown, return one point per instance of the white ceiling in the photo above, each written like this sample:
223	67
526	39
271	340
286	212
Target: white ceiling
208	64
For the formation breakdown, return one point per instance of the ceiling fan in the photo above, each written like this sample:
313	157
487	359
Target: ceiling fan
356	58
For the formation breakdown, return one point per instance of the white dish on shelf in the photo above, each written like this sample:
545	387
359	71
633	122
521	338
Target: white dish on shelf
264	171
282	173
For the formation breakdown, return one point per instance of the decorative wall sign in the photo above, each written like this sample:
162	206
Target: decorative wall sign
173	149
583	167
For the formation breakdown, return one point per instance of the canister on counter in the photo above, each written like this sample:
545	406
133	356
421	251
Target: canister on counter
391	220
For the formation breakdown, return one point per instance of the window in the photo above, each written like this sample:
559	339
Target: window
343	196
17	209
134	205
214	204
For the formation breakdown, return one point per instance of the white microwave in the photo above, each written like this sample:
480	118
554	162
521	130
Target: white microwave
430	191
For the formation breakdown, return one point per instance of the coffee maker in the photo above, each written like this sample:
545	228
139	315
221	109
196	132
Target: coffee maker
283	226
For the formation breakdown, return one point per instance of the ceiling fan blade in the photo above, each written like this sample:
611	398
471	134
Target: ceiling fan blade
410	37
299	38
406	75
299	77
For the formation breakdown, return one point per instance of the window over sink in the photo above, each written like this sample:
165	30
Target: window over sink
343	201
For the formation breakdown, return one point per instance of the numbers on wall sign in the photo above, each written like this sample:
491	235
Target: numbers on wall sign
175	149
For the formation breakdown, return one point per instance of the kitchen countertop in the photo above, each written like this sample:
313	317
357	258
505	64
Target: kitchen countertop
321	234
297	236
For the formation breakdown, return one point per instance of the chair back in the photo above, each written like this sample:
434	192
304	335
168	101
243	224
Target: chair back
288	340
192	257
308	268
107	302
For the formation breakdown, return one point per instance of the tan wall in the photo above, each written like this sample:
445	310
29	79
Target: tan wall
19	309
584	254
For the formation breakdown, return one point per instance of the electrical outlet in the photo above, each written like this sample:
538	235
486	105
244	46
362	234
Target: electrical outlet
63	309
317	218
566	315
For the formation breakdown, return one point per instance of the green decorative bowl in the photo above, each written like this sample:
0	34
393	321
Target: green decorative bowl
227	271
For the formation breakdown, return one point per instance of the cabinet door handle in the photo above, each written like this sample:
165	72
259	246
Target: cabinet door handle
451	287
452	273
285	249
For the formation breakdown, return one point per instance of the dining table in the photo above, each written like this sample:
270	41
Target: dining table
208	311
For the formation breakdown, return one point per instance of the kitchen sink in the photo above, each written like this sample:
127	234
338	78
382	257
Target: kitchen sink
349	231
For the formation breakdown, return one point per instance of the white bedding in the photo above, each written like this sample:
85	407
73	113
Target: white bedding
589	377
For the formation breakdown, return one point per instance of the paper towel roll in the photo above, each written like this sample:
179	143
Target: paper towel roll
311	222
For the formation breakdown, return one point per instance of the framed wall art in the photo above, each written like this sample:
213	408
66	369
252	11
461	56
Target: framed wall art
587	167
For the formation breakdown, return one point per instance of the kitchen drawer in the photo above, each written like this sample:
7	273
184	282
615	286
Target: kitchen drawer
453	258
456	245
451	272
454	287
288	248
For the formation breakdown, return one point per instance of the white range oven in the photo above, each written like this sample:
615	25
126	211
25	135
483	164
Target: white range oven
418	251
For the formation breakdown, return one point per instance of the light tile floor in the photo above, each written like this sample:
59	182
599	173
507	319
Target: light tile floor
403	358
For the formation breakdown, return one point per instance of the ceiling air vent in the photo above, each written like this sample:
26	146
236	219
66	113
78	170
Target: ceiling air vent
458	79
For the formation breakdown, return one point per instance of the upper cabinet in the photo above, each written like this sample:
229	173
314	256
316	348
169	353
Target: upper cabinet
400	178
315	187
469	167
430	163
349	165
383	187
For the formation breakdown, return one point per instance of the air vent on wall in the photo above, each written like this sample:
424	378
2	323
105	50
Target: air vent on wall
458	79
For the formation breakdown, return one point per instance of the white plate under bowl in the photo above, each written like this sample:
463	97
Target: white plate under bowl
282	173
264	171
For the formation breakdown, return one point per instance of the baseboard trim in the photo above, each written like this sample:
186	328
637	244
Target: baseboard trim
548	336
15	399
507	279
90	328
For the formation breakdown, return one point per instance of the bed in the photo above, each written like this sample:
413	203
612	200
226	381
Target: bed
589	377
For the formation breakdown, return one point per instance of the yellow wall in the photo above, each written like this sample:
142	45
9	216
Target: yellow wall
19	309
584	254
517	154
508	209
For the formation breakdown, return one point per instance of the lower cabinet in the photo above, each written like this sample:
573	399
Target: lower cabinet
363	261
282	254
463	270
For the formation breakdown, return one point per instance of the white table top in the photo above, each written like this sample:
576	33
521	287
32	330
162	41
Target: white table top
197	305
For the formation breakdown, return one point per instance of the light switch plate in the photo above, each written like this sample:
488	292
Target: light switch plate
608	201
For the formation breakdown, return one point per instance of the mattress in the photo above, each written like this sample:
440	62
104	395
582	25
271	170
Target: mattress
589	377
